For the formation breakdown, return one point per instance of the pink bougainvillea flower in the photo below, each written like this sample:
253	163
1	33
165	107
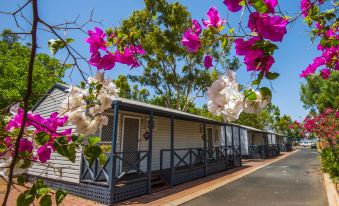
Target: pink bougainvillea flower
308	71
214	18
243	47
233	5
208	61
257	61
128	56
96	40
196	27
325	73
44	153
8	141
269	27
270	5
305	6
106	62
191	41
16	121
25	145
95	59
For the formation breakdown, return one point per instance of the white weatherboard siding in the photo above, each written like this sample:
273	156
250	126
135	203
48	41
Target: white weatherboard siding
59	167
187	134
255	138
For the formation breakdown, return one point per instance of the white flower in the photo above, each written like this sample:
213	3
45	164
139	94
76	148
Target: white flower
225	98
254	106
88	118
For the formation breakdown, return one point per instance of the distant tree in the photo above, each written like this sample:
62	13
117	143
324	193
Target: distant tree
318	93
14	58
268	119
133	93
176	76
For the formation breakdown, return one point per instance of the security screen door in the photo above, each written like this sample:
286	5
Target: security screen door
209	137
130	146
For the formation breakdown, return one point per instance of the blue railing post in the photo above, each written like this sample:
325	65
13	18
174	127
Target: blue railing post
172	150
225	137
149	158
240	162
113	145
232	146
205	149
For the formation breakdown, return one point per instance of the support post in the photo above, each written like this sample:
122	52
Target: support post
205	149
149	157
240	162
172	150
114	143
232	146
226	149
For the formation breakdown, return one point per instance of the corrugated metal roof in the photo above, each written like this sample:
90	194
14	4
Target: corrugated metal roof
165	109
174	111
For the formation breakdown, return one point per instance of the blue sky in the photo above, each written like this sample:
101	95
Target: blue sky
294	54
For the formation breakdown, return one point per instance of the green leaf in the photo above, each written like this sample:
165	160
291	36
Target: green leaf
61	145
102	159
92	153
21	180
72	152
272	76
60	196
2	148
256	82
54	45
42	138
25	199
69	40
82	85
264	91
94	140
250	95
43	191
26	164
46	200
259	5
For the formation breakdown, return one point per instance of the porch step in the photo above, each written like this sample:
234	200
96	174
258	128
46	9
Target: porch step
158	182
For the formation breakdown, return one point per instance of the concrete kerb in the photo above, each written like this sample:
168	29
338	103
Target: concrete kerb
332	194
194	195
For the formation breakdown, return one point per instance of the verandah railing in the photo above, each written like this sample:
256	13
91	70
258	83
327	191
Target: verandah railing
263	151
192	161
128	165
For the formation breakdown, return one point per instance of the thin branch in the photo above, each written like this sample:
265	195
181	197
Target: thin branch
27	96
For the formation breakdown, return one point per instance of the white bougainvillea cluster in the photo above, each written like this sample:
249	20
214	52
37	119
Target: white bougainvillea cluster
85	105
225	99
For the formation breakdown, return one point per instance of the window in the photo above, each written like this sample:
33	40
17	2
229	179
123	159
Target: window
107	130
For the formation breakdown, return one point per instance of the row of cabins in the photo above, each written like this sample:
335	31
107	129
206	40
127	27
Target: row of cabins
151	147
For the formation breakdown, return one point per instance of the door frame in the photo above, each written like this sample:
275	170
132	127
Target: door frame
123	134
212	128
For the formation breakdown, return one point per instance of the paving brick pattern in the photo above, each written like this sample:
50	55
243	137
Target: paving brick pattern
172	196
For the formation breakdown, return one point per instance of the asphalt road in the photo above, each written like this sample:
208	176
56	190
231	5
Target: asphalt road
295	180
